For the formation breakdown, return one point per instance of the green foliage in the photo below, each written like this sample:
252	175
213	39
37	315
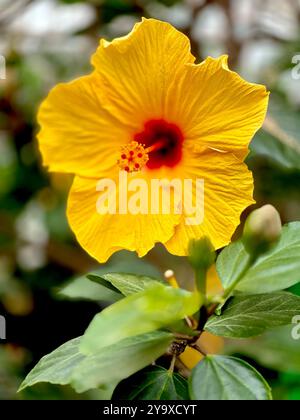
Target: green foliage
127	335
84	289
278	269
127	284
267	145
227	378
67	365
153	383
201	254
275	349
247	316
280	144
8	165
286	387
116	362
257	303
56	367
121	262
149	310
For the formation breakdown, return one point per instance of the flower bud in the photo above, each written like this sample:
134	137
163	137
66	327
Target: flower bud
262	230
201	253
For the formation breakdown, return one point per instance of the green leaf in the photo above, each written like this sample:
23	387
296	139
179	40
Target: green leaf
104	370
279	141
84	289
153	383
181	327
119	361
149	310
267	145
227	378
247	316
276	349
56	367
276	270
127	284
123	261
231	262
103	282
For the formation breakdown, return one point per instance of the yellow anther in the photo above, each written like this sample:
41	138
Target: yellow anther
133	157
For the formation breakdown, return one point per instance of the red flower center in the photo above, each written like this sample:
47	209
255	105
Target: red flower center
163	141
160	144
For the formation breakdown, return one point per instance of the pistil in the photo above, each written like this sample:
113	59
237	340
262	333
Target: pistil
134	156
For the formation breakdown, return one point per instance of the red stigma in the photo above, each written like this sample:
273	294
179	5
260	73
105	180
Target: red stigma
165	139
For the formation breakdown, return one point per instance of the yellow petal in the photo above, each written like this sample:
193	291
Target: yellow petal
77	135
215	107
137	70
228	190
103	234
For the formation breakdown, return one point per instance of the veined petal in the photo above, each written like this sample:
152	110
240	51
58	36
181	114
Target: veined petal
228	190
215	107
77	135
103	234
137	69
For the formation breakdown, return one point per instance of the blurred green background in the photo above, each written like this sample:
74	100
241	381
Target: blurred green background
48	41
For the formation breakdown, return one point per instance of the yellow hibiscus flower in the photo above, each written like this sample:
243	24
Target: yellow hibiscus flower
148	111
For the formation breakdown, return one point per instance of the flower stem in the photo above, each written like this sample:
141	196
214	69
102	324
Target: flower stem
201	282
172	365
199	349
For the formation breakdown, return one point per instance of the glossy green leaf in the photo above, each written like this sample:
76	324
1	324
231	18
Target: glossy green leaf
227	378
103	282
149	310
82	288
153	383
278	269
127	284
119	361
104	370
231	262
56	367
247	316
123	261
